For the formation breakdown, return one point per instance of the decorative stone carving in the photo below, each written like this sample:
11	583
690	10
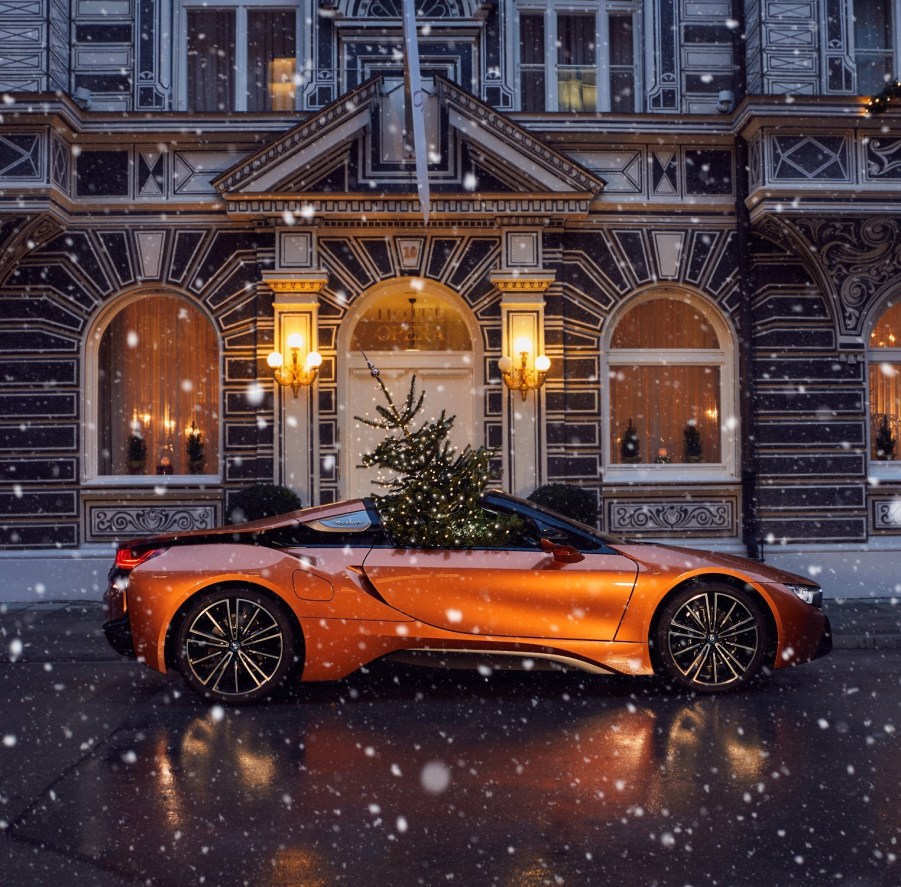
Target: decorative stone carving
296	284
887	515
661	518
854	258
122	521
531	282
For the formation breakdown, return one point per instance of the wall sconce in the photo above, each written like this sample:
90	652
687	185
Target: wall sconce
295	374
524	378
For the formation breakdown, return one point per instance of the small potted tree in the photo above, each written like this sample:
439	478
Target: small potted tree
195	449
630	445
692	447
885	440
136	453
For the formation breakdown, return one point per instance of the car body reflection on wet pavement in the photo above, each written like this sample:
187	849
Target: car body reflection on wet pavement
408	776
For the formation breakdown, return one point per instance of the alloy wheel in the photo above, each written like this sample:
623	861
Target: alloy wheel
234	647
713	639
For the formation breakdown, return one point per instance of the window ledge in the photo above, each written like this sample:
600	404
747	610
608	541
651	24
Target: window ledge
668	473
152	480
888	471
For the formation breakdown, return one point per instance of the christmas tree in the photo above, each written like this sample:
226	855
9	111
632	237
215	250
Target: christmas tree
433	499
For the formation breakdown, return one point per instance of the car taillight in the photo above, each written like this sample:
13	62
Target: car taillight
129	558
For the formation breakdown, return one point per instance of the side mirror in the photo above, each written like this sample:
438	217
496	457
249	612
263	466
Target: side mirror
565	554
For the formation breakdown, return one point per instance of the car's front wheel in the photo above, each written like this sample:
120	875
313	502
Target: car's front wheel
235	646
712	638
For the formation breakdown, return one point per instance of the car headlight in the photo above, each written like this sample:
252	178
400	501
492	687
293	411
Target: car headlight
810	594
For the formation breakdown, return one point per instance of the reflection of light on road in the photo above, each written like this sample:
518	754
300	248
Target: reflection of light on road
165	781
200	752
693	732
292	865
745	758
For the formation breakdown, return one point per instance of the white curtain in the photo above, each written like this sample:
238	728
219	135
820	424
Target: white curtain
159	371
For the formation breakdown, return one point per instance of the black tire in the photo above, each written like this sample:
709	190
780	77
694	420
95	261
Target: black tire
235	646
711	639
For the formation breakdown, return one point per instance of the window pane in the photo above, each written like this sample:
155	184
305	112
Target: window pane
531	39
622	64
664	323
211	60
887	332
873	44
532	89
885	386
669	407
158	371
576	63
885	410
271	59
575	40
531	55
622	52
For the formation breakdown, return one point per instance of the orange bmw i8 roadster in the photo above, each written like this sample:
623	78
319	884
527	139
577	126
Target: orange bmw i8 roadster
317	593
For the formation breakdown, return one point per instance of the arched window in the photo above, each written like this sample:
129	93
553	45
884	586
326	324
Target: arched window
884	366
670	388
157	377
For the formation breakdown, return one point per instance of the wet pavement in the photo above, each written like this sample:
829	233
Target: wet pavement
111	774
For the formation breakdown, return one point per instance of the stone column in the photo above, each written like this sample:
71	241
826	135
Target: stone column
296	433
524	432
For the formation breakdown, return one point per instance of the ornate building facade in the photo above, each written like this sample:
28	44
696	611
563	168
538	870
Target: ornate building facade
684	205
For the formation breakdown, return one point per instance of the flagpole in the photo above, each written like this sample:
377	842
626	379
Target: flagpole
415	99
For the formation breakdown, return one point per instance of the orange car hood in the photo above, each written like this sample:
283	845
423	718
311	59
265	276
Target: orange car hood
671	559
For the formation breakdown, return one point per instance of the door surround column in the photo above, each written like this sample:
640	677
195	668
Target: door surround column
524	454
296	433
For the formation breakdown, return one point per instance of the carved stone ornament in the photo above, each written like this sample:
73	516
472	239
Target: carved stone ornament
666	517
522	283
121	522
296	284
856	258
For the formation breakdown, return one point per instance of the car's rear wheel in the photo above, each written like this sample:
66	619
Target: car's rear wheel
235	646
711	638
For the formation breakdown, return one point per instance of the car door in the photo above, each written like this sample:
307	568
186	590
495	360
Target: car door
509	592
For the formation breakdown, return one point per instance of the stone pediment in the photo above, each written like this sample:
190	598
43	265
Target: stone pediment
340	162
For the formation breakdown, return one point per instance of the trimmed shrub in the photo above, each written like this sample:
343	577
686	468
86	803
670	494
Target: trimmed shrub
568	500
262	500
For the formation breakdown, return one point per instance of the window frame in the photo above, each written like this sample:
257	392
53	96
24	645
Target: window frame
602	10
241	7
725	358
893	51
878	468
90	470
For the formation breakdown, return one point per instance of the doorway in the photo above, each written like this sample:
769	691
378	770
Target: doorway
423	332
